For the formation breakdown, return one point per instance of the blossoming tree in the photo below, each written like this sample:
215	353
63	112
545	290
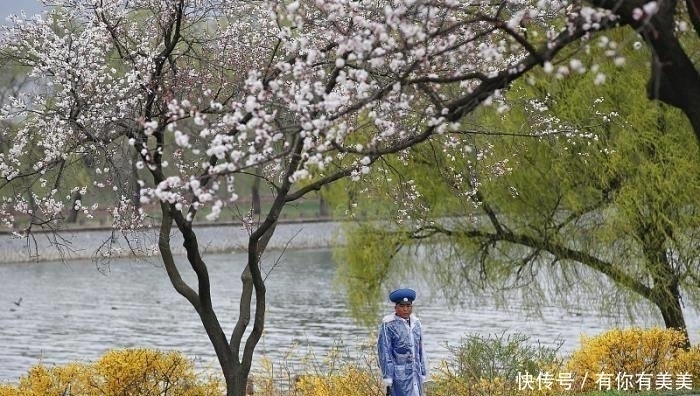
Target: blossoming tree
301	94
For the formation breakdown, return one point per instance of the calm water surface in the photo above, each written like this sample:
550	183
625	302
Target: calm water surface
56	312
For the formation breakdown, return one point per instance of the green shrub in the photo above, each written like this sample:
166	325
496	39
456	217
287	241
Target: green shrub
493	365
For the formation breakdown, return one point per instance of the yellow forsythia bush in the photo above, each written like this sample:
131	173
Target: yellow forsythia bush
688	361
71	379
8	390
349	382
635	359
151	372
130	372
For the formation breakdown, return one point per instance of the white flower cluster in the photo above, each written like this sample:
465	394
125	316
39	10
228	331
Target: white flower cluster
287	92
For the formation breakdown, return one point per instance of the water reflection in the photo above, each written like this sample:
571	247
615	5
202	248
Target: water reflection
74	312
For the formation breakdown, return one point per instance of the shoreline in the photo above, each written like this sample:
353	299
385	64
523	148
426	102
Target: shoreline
93	242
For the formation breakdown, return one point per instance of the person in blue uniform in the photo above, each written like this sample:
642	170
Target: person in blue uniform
400	347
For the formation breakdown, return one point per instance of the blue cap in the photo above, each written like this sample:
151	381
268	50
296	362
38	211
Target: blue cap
402	295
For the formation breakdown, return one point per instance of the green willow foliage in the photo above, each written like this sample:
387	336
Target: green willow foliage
359	277
584	178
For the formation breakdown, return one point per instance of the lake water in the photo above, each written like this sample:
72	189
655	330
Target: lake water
60	311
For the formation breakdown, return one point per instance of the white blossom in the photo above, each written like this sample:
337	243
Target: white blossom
326	85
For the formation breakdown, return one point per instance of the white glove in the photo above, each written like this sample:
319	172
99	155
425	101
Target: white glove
388	381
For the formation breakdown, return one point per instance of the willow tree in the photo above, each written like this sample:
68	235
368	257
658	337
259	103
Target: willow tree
578	187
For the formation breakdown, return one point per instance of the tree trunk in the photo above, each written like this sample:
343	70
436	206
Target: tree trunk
255	193
235	372
674	78
323	210
665	292
236	382
73	212
255	196
134	180
667	299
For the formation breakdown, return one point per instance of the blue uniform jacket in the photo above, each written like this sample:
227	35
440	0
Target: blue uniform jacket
401	355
